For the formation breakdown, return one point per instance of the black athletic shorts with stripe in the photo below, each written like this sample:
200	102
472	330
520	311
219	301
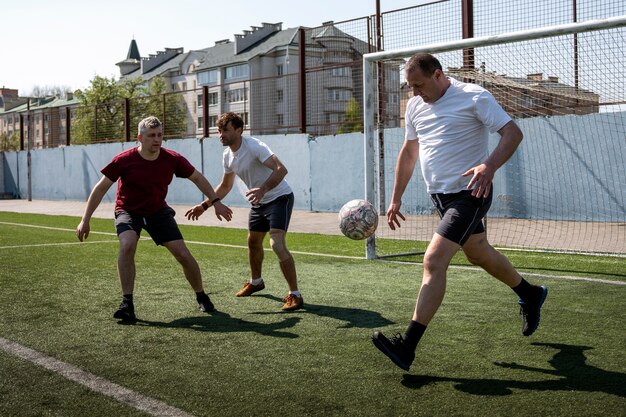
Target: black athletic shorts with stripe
161	226
273	215
461	214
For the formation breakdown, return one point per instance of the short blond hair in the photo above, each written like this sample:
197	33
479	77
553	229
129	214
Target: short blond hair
149	122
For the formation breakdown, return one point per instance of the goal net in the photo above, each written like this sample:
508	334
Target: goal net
565	187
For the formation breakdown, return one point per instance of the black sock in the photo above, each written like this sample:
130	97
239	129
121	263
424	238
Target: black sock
201	295
526	291
128	300
413	334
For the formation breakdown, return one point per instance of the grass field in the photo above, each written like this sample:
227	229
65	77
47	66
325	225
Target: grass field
250	359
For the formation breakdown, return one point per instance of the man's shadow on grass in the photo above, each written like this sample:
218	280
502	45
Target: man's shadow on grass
568	366
219	322
353	317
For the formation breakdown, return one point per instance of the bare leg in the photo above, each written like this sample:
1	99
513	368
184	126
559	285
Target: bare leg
436	261
187	261
479	252
126	260
255	253
287	264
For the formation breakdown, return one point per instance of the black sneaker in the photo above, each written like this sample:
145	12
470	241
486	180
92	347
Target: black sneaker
531	312
205	304
395	349
125	312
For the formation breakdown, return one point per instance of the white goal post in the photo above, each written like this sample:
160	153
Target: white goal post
566	190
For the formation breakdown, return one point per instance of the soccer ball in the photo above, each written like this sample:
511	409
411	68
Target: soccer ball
358	219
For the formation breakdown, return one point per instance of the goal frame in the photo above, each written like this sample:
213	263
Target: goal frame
370	84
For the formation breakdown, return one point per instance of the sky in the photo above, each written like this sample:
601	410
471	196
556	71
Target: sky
67	42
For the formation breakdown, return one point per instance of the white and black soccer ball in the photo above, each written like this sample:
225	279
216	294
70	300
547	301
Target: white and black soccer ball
358	219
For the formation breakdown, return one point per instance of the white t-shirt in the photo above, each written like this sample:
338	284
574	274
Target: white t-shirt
247	164
453	133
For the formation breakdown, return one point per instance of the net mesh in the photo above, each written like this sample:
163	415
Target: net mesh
565	187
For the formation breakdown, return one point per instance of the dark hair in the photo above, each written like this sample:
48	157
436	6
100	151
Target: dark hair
424	62
233	118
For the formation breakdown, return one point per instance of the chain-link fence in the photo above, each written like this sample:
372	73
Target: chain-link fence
317	89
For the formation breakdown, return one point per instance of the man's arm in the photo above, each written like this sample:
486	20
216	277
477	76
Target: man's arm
204	185
94	200
279	172
407	158
510	138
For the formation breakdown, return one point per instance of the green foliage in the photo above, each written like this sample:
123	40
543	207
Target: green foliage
354	118
100	117
9	143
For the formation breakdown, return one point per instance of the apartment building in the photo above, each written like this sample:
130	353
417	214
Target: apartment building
257	76
39	122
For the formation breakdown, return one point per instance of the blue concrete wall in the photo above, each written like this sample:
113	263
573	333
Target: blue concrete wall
566	168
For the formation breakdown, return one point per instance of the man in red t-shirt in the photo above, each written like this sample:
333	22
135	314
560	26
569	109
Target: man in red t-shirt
143	175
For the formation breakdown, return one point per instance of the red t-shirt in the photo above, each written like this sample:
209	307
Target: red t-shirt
142	185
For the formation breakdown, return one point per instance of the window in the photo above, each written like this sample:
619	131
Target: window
184	86
207	77
212	121
200	125
341	72
244	116
213	99
236	95
280	69
237	71
336	94
393	98
279	120
279	95
200	97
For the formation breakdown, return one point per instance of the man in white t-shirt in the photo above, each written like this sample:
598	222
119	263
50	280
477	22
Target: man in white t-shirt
271	198
447	127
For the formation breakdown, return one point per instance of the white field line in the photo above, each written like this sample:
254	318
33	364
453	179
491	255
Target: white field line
93	382
468	268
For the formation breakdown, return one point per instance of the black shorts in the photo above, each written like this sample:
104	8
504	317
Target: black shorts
273	215
161	227
461	214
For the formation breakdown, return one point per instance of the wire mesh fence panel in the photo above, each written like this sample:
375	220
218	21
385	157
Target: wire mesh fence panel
334	79
491	17
430	22
565	187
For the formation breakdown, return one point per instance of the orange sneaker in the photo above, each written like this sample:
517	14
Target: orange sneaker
292	302
249	289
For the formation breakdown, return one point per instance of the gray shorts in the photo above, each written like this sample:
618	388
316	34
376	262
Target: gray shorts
161	226
461	214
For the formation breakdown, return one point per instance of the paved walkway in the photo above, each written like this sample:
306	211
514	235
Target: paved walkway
301	220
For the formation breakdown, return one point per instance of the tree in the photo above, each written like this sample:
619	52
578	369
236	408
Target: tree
50	90
9	143
354	118
100	117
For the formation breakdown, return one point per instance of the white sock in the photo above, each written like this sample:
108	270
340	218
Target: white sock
296	293
256	281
